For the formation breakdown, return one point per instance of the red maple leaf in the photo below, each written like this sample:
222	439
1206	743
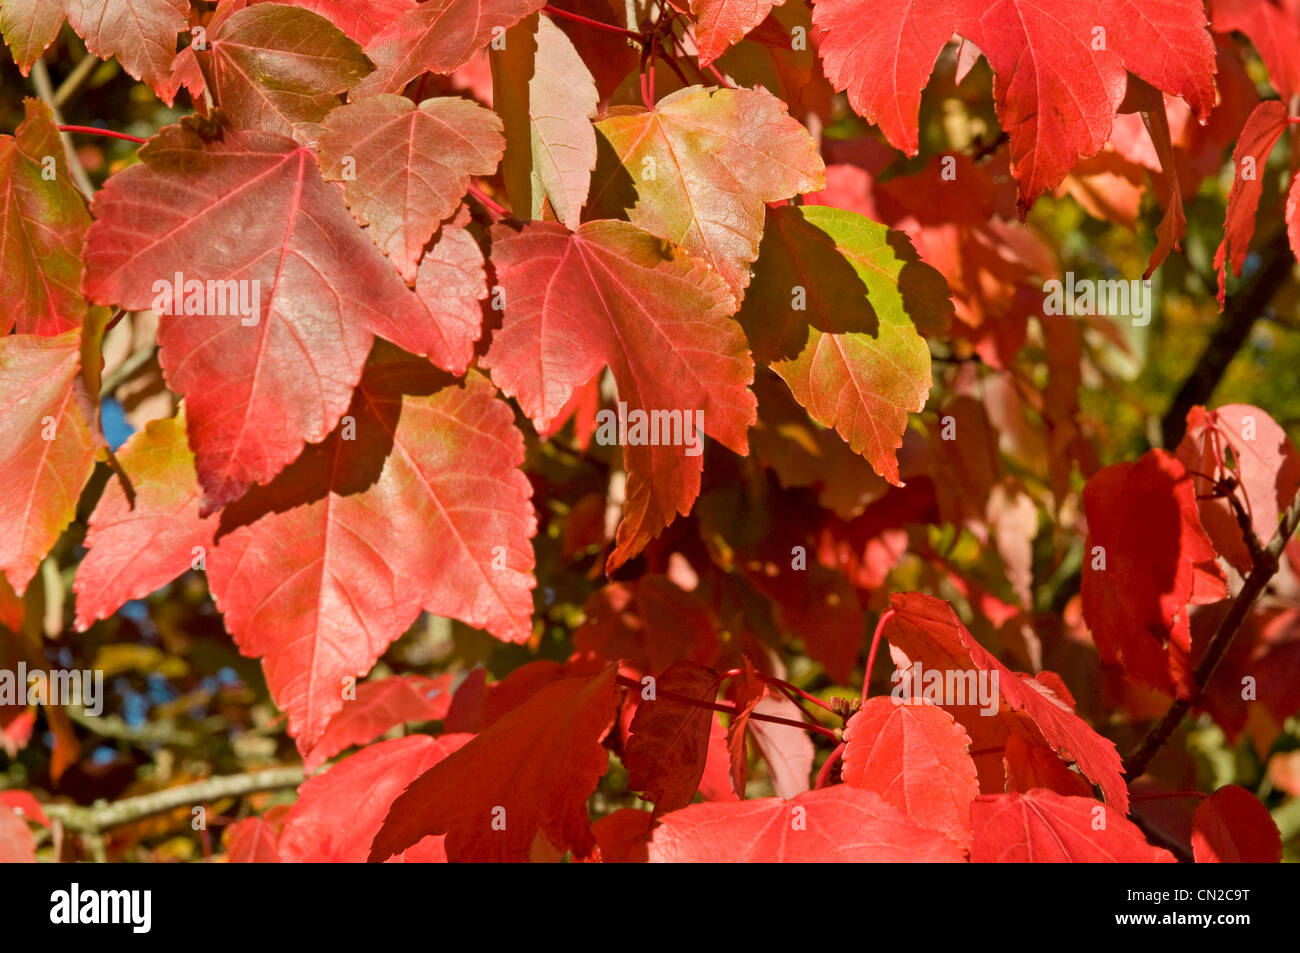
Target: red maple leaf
926	631
916	757
1146	559
669	739
1044	827
610	294
1231	826
528	774
841	823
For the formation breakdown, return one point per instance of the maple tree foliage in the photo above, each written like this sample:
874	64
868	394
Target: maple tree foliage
666	431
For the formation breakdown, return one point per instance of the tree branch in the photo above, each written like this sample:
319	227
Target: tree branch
45	90
104	815
1265	566
1235	325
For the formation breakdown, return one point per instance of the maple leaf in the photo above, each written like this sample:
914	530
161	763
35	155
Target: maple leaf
1293	215
1056	92
845	295
813	603
1044	827
1231	826
916	757
50	446
646	626
926	630
359	19
280	69
438	36
1146	558
882	55
621	836
139	34
546	96
43	222
720	24
1263	128
1059	67
17	842
339	812
1275	34
1173	224
965	470
836	824
29	26
666	749
746	695
1246	443
477	705
697	169
405	168
1166	43
255	840
530	773
414	503
788	751
611	294
137	545
379	706
250	208
25	806
1030	766
451	283
957	211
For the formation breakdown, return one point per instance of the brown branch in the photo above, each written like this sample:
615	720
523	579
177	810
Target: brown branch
1234	327
1265	566
1163	839
104	815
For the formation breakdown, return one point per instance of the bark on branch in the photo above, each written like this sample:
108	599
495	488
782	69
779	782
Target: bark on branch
1265	566
1234	327
104	815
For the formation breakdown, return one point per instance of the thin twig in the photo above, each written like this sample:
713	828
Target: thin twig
45	90
1234	327
1163	839
1265	566
104	815
729	709
72	82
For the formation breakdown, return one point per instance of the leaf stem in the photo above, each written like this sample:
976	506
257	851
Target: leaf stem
793	689
596	24
729	709
871	653
722	80
95	131
824	775
487	202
